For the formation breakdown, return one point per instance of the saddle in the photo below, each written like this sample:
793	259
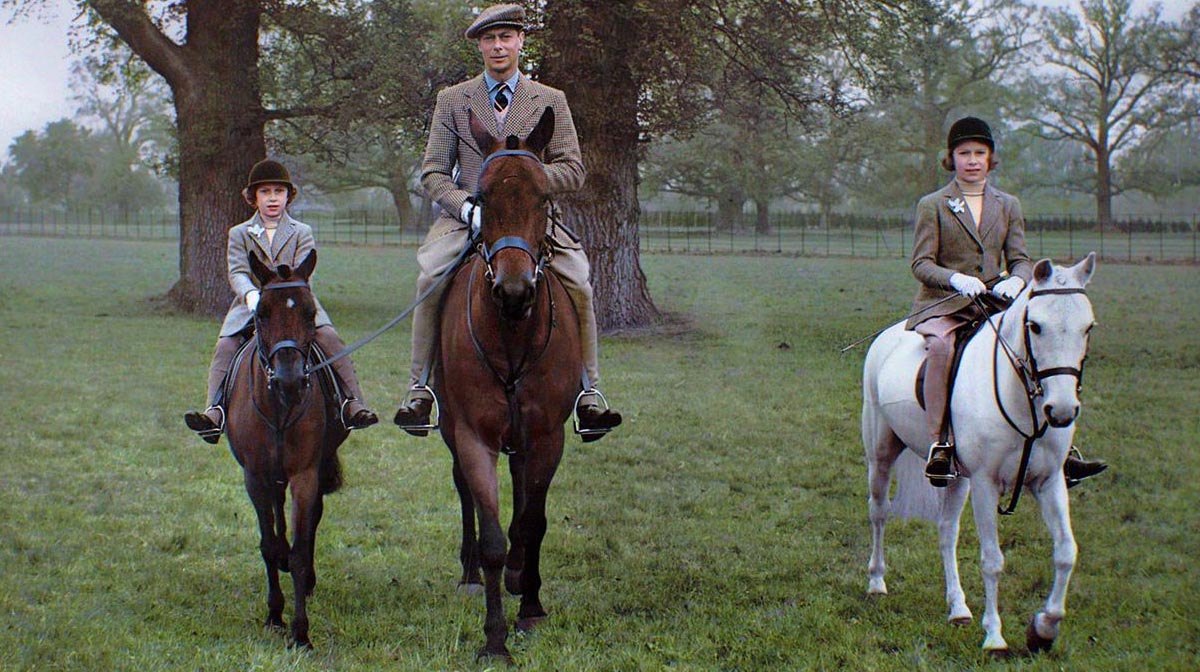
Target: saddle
962	336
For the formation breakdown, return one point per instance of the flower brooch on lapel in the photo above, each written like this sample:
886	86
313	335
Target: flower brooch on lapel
256	229
956	206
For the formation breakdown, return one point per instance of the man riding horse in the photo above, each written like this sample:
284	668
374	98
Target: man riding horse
509	104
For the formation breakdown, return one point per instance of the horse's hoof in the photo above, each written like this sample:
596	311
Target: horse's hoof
962	621
300	645
998	654
512	581
470	589
275	624
500	654
1036	643
529	623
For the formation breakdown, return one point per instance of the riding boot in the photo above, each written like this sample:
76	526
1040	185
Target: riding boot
415	411
1075	469
354	413
210	423
939	468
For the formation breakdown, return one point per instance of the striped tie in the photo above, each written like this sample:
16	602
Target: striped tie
501	99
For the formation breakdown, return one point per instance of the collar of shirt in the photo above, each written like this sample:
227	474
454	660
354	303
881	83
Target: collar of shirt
493	83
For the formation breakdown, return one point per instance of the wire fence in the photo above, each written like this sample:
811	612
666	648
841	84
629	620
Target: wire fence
1134	239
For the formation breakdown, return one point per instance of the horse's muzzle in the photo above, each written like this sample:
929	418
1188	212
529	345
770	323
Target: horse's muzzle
514	294
1058	418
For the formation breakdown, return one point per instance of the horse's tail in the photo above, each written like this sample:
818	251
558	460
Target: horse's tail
915	497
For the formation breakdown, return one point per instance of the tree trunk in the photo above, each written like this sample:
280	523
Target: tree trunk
1104	218
603	94
729	209
762	215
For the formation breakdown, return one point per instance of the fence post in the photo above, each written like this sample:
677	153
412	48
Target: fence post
1101	241
1128	241
1161	252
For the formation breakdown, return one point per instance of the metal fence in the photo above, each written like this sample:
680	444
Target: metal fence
1137	239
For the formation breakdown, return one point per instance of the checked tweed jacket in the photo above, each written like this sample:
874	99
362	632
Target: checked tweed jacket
292	243
946	242
450	143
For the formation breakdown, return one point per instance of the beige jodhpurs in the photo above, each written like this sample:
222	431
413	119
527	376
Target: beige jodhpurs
436	255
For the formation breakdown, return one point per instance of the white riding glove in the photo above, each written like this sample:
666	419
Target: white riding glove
472	215
1009	288
252	300
967	285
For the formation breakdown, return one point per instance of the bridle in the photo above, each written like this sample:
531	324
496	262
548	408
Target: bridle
1031	376
541	256
265	360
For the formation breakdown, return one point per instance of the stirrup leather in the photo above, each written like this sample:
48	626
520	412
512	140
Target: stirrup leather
435	414
575	413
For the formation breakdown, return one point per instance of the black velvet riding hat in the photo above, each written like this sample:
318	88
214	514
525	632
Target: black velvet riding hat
969	128
269	172
512	16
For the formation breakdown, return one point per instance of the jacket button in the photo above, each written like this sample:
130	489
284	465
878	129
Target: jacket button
979	269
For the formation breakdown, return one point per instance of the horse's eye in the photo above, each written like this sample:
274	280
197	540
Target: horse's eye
1035	328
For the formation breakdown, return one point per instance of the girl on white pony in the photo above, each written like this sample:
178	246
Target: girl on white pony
964	231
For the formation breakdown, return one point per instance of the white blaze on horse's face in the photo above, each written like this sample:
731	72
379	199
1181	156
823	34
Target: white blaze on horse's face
1058	328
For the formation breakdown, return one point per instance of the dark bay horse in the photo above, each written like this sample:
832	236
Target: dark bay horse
284	432
508	373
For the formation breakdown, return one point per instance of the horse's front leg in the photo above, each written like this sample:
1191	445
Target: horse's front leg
953	498
305	502
544	457
471	582
1056	511
882	450
515	561
983	504
274	550
478	464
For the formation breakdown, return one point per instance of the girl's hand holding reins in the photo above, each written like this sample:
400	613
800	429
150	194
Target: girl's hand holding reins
252	300
967	285
1009	288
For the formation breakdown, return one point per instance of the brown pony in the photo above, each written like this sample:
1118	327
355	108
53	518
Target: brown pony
508	372
284	431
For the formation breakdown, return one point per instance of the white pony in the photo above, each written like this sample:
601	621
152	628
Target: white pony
1018	389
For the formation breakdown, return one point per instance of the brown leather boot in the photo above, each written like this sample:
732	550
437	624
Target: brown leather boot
355	415
209	424
939	469
594	421
1075	469
413	415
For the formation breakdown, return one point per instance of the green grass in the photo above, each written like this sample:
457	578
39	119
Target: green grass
723	527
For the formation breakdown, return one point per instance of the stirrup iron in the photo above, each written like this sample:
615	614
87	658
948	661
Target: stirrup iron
216	432
942	480
435	414
575	413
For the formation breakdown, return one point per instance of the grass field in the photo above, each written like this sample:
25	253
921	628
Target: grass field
723	527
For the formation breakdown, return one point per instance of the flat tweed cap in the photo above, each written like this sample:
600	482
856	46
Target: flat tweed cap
496	16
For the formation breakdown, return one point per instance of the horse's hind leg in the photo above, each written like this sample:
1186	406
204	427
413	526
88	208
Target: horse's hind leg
1044	626
953	498
882	448
471	581
545	455
272	547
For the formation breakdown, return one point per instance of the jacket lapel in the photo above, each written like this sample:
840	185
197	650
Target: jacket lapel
953	201
480	105
991	213
283	232
258	233
520	111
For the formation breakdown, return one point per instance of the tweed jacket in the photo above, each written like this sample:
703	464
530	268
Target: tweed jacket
292	243
946	241
450	145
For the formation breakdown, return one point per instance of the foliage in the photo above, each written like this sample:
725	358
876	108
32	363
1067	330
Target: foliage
1109	85
687	540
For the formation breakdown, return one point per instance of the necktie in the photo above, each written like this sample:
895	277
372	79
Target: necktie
501	98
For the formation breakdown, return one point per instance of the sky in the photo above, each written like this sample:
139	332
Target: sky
35	66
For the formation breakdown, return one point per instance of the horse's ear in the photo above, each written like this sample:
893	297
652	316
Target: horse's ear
1084	269
1042	270
306	267
483	138
540	136
260	270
